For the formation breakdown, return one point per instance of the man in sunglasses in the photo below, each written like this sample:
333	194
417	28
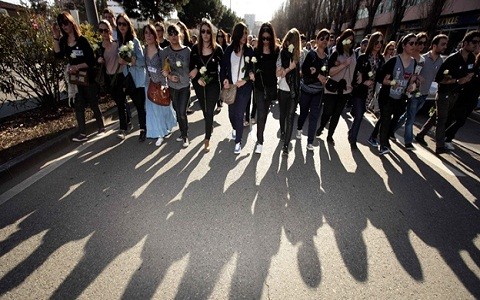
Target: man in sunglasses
452	77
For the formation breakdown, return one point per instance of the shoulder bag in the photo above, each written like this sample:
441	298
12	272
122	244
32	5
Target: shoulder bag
79	78
228	95
156	92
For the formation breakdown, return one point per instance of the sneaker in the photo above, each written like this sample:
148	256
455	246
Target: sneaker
310	147
449	146
129	127
185	142
383	150
373	142
319	132
159	142
179	139
392	138
168	134
299	134
441	150
285	150
121	134
421	140
259	148
234	134
409	146
80	138
330	140
253	121
142	136
206	145
189	111
101	131
217	110
246	123
238	148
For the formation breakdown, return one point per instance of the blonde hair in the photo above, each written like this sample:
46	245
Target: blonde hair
293	38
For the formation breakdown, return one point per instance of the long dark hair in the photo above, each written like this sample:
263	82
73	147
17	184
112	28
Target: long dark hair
186	34
268	28
150	28
404	41
206	22
372	41
223	44
130	35
237	34
67	17
345	34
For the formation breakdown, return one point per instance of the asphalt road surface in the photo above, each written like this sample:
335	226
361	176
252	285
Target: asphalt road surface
112	219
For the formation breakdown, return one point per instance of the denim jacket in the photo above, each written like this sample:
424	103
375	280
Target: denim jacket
138	70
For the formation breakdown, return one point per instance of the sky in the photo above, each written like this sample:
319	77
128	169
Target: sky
263	9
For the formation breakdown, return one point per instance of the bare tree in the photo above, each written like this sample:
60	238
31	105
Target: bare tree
399	8
372	7
430	13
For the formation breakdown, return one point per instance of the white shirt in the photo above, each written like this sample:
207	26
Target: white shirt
235	62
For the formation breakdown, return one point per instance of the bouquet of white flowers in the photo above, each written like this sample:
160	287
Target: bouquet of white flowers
126	52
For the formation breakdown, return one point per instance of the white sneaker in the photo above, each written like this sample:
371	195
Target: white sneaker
299	134
234	134
238	148
310	147
259	148
186	142
121	134
159	142
449	146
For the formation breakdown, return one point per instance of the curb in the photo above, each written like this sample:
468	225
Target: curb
90	125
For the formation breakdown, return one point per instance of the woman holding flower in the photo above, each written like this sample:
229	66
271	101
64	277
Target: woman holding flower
205	59
70	43
341	68
315	72
236	68
160	119
176	69
364	79
133	62
289	84
264	66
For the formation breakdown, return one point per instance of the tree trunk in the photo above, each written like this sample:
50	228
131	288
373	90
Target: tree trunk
434	11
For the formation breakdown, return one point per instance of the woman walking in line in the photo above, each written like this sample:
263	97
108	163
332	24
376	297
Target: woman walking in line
264	67
341	66
68	42
315	72
160	119
135	67
288	70
177	56
221	42
236	68
364	80
205	59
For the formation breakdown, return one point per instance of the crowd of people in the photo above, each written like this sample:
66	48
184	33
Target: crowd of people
393	78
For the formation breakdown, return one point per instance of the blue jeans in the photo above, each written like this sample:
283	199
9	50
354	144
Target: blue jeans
237	110
309	107
358	110
413	106
180	100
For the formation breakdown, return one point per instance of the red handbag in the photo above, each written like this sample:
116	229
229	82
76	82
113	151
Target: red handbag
158	94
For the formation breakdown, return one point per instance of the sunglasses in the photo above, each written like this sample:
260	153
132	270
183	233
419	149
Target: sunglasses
266	38
323	38
420	43
390	49
64	22
410	43
100	30
475	42
124	24
203	31
378	42
173	33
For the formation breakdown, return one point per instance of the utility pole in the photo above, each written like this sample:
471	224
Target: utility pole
92	15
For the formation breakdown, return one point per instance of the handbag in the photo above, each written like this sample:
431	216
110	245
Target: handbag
79	78
129	84
158	94
228	95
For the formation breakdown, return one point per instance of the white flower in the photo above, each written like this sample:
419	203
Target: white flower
346	42
393	82
203	70
254	60
290	48
324	68
370	74
73	55
445	72
95	47
179	64
124	48
129	54
247	59
130	45
418	94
